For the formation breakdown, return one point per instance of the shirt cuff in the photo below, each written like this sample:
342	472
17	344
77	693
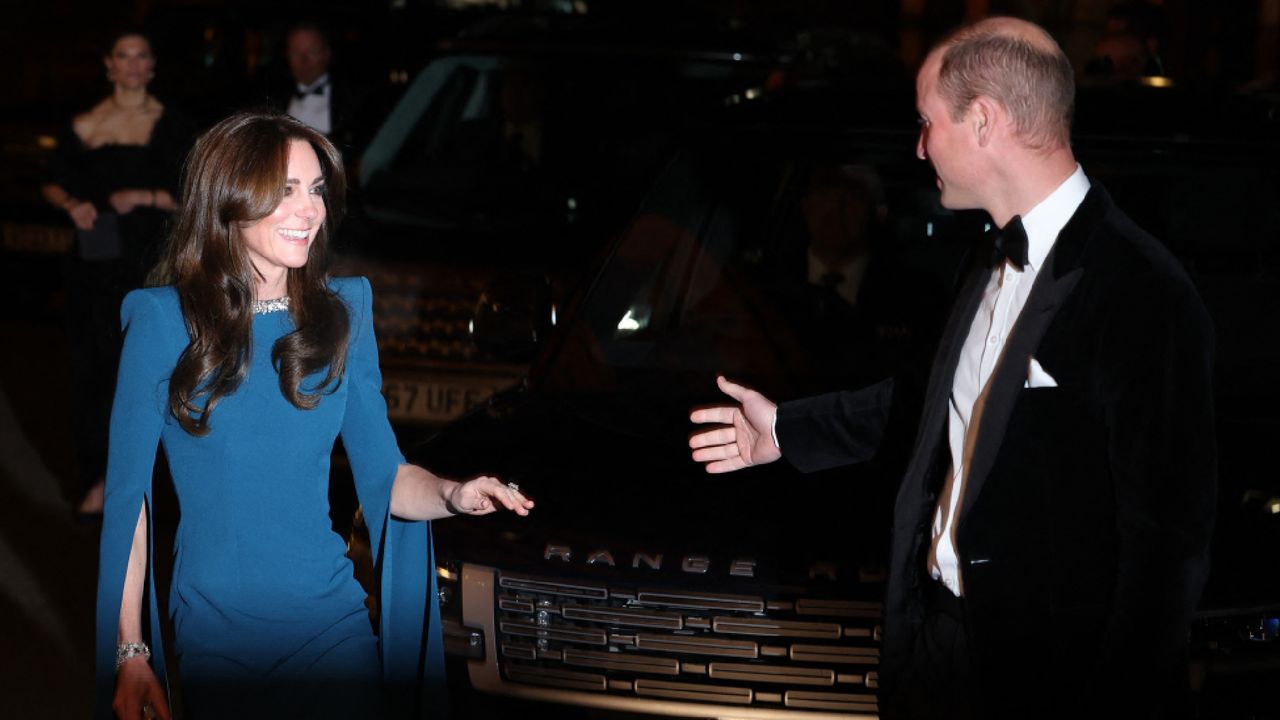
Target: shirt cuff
773	429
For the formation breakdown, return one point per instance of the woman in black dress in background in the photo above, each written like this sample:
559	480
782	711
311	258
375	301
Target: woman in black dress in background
115	174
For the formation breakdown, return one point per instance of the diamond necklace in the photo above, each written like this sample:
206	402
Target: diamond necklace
261	307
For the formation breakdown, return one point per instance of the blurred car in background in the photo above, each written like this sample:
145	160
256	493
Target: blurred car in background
498	177
643	585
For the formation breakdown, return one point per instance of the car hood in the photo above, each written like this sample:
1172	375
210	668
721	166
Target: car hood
620	499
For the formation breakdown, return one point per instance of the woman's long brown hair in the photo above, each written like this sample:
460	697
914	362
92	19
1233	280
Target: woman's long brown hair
236	175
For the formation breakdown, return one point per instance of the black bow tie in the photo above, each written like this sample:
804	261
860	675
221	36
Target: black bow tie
1010	244
317	90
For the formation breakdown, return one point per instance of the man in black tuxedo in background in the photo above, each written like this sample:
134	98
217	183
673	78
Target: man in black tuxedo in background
311	93
1051	532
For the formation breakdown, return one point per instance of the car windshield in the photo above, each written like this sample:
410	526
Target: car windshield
512	150
795	268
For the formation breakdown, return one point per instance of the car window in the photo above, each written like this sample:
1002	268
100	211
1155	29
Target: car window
787	270
505	148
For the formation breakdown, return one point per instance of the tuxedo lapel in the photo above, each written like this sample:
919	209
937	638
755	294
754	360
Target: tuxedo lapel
1062	269
938	393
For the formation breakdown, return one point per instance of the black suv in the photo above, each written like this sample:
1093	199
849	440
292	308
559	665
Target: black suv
643	584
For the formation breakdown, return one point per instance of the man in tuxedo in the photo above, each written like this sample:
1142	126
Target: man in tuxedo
311	93
1050	533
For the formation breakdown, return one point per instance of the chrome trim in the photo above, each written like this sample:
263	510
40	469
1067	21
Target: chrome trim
544	632
743	567
519	652
654	562
771	674
692	691
622	661
835	654
512	605
830	701
556	678
701	601
698	645
624	616
586	592
775	628
839	608
696	564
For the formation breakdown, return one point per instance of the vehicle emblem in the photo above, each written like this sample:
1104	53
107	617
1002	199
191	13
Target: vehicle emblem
693	564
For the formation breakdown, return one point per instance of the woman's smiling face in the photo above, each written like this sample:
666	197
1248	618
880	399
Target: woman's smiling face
282	239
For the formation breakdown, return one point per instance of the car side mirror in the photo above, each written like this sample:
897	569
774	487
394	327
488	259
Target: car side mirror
511	317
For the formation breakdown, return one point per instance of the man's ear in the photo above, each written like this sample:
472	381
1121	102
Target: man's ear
983	117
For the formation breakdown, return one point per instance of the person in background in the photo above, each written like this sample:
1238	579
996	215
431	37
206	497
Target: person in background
115	175
1051	531
246	365
312	93
1132	42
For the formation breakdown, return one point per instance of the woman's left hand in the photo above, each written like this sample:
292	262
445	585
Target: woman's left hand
483	494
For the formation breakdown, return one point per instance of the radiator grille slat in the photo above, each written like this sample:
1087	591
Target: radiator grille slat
622	661
693	691
698	645
776	628
557	678
835	654
841	702
633	618
593	637
551	587
771	674
702	601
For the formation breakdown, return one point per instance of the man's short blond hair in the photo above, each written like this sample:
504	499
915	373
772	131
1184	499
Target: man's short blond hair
1026	72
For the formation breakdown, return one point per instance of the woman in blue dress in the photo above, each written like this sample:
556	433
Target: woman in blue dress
245	367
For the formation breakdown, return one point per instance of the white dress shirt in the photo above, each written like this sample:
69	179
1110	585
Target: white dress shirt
313	108
1002	302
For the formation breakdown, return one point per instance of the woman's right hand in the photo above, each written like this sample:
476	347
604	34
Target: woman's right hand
84	215
741	435
137	687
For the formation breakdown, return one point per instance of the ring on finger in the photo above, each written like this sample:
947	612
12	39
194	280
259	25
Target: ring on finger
515	487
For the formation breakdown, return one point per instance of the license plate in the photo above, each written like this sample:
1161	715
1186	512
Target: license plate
438	401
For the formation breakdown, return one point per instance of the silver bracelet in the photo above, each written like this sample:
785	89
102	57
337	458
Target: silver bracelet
130	650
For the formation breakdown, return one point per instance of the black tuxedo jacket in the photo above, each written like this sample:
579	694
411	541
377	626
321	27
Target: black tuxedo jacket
346	124
1085	523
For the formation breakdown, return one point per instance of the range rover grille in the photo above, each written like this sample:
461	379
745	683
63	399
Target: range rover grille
678	653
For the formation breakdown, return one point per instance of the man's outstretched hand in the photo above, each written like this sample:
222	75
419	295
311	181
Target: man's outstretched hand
743	434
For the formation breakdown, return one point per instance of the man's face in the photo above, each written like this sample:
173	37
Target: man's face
948	145
308	56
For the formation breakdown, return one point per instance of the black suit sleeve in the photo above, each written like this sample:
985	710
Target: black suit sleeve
1156	385
834	429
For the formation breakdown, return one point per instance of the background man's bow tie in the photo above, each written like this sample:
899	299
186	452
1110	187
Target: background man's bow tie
1010	244
317	90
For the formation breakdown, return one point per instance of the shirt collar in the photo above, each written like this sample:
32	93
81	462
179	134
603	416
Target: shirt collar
1044	221
321	82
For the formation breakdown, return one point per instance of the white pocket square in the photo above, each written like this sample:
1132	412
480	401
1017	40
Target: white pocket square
1037	377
